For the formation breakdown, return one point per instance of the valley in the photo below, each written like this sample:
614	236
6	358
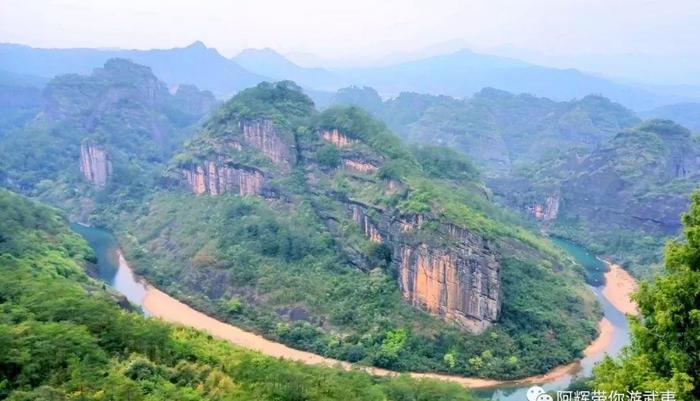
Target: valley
613	331
452	250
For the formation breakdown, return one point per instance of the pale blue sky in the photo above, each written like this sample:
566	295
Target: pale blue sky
353	29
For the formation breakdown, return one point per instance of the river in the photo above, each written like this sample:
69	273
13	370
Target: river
113	269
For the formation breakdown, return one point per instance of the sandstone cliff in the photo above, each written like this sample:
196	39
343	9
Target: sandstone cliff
547	210
214	178
264	136
94	163
337	138
451	273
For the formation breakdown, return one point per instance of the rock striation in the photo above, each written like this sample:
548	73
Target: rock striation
213	178
263	136
94	163
335	137
452	273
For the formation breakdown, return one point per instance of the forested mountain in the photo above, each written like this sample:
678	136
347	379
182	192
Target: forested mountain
495	128
319	230
622	199
365	229
63	337
120	119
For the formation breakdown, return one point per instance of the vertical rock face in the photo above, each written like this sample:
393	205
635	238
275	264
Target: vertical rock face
213	179
458	282
368	227
335	137
94	163
549	210
263	136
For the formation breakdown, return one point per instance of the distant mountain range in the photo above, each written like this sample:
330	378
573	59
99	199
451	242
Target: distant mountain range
195	64
459	74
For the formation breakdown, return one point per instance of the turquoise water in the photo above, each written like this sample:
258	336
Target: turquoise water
595	268
108	267
123	280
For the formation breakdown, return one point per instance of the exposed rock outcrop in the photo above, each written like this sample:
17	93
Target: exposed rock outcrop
547	210
360	166
337	138
94	163
264	136
215	178
458	282
368	227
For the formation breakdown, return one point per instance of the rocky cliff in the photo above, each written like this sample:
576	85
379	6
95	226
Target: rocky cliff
214	178
264	136
94	163
451	273
546	210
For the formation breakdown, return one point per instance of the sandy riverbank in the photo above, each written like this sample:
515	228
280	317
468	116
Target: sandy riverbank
619	286
163	306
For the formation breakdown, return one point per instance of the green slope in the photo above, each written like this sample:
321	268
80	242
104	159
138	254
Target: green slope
63	337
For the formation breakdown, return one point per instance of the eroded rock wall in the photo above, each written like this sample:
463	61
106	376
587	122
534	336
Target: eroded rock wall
264	136
213	178
94	163
547	210
451	273
337	138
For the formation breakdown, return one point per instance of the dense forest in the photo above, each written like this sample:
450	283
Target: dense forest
664	354
64	337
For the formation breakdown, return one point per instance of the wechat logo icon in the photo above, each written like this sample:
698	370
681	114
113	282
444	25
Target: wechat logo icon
536	393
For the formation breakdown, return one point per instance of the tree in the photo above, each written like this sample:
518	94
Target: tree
665	349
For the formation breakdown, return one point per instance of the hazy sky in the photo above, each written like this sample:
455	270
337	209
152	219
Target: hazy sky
358	28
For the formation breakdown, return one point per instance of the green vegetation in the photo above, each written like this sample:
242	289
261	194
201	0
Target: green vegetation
494	128
297	269
294	264
621	200
664	354
62	337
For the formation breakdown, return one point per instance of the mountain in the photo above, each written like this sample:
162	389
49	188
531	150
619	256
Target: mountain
621	199
464	73
458	74
686	114
64	335
20	99
316	229
320	230
271	64
494	128
195	65
120	121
